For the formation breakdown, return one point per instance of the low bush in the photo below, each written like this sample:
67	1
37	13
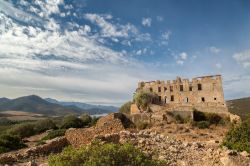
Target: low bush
125	108
41	142
103	154
199	116
178	118
238	137
86	119
213	118
43	125
54	134
10	142
5	122
209	118
202	124
142	125
71	121
94	120
22	130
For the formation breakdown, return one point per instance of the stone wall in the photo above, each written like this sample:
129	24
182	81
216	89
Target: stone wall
51	146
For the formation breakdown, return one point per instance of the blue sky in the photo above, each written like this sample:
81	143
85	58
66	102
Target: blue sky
96	51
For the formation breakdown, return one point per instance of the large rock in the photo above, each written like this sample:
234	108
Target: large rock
111	123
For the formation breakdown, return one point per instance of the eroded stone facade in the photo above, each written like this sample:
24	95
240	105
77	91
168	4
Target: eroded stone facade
206	90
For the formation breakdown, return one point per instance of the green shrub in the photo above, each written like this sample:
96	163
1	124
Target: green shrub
238	138
54	134
10	142
43	125
41	142
94	121
103	154
125	108
71	121
178	118
5	121
22	130
142	125
213	118
86	119
201	124
199	116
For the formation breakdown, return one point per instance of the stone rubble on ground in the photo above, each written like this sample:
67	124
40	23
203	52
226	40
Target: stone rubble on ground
179	153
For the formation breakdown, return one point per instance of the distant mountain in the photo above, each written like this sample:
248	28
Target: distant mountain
92	109
240	107
36	104
4	99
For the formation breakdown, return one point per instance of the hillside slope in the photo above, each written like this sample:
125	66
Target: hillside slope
35	104
240	107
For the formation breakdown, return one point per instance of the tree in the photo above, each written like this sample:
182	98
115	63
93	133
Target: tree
143	99
71	121
125	108
86	119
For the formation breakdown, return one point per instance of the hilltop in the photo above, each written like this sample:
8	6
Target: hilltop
240	107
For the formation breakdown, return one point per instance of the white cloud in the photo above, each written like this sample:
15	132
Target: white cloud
108	29
183	55
243	58
214	50
146	22
181	58
49	7
67	61
165	37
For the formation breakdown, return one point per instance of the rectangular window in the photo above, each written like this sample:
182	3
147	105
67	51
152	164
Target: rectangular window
171	88
159	98
151	89
186	99
172	97
203	99
159	89
181	88
199	87
165	89
190	88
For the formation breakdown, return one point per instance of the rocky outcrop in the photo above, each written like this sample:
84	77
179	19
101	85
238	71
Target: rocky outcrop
51	146
112	123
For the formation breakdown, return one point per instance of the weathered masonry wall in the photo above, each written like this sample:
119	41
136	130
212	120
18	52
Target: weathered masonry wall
206	90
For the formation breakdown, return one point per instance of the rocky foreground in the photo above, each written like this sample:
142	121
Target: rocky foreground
156	144
178	152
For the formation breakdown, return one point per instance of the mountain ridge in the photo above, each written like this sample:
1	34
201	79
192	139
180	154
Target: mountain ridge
51	107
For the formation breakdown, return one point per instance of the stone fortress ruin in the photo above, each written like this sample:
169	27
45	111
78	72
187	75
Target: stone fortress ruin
183	96
206	90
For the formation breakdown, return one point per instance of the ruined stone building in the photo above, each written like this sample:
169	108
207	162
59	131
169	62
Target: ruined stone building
181	97
205	91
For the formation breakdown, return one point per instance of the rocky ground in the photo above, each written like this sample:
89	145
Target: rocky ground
183	153
178	144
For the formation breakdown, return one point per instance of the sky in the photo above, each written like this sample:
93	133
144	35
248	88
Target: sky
96	51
